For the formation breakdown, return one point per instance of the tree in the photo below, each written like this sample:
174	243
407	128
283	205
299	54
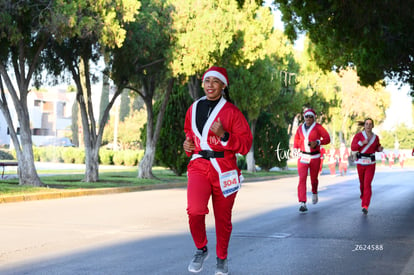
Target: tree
124	105
170	151
271	143
338	97
254	91
141	65
258	69
25	29
358	102
130	130
204	30
97	26
374	36
240	38
105	88
75	127
401	135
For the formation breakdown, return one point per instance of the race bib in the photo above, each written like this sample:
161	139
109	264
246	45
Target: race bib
305	159
364	161
229	182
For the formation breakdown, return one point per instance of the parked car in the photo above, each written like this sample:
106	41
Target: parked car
62	141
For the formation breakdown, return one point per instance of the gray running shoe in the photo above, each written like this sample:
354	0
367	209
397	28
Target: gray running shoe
221	267
303	207
314	198
365	210
196	264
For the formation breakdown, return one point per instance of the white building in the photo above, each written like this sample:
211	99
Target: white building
50	115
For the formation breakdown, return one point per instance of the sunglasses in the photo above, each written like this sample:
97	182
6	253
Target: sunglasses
309	116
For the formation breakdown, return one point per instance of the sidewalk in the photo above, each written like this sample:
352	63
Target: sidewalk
62	193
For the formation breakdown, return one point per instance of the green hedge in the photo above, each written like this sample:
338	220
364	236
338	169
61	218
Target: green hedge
6	155
77	155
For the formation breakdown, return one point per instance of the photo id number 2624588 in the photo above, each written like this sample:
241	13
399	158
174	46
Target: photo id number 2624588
368	247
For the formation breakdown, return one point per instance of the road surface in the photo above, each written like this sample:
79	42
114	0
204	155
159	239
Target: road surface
147	232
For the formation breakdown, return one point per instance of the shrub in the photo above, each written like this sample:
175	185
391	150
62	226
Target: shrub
106	157
130	158
69	155
80	155
241	162
118	157
6	154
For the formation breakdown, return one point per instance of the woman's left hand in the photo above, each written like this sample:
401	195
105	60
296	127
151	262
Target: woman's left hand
217	128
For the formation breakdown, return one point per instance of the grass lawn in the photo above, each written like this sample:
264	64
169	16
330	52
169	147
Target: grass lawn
58	180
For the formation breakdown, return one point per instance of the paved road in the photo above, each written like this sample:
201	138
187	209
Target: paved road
146	232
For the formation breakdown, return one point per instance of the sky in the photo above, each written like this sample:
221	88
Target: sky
400	110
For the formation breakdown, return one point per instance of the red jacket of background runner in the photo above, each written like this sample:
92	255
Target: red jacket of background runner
316	133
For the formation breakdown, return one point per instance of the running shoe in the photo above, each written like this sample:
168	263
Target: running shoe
303	207
196	264
221	267
314	198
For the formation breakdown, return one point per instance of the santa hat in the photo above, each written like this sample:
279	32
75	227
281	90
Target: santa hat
219	72
309	112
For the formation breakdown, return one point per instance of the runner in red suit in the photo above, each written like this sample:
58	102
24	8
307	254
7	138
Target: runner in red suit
343	159
366	143
391	158
401	159
308	139
215	131
332	158
383	158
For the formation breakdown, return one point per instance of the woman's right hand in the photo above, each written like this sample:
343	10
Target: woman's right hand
188	145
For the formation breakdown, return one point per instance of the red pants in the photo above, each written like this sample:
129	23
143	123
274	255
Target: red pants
203	182
343	168
313	166
332	168
366	175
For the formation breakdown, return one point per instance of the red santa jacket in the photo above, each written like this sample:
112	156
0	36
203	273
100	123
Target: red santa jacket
315	133
233	121
370	148
333	155
344	155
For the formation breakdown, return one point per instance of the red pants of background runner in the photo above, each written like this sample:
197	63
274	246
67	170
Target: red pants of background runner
332	168
366	175
313	166
343	168
203	182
